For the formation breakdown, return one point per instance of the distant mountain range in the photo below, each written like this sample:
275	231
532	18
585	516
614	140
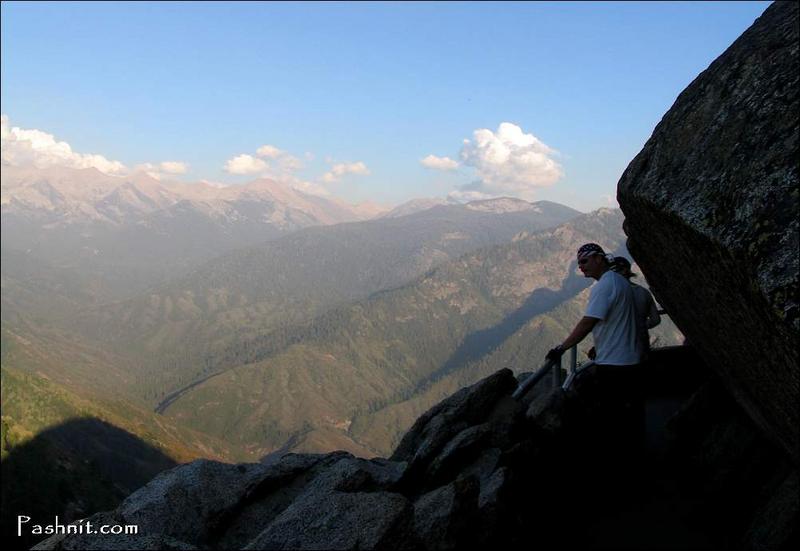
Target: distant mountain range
415	205
136	231
497	206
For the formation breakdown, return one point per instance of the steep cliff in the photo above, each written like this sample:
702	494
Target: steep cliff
711	205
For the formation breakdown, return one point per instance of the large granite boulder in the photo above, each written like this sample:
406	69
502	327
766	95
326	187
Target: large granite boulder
178	509
325	501
456	430
711	206
340	520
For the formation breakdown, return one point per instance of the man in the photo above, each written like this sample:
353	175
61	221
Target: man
610	314
611	318
647	315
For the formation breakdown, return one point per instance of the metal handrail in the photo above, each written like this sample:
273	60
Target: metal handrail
555	365
573	374
536	377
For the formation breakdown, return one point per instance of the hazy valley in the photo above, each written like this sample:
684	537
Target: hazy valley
315	338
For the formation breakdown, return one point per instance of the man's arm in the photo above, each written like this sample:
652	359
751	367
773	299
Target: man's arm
578	334
653	318
583	328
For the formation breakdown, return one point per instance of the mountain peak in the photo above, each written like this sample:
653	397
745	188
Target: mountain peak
415	205
501	205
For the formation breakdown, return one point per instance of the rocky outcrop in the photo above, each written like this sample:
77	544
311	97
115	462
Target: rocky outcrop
485	469
459	430
441	489
711	206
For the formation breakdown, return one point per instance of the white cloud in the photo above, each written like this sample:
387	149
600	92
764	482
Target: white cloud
174	167
269	151
150	169
22	147
509	162
279	165
439	163
285	161
245	164
164	169
339	170
311	188
282	161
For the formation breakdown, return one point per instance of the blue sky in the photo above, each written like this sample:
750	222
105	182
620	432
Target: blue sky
351	97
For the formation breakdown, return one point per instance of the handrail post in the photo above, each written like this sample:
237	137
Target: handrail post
537	376
557	373
573	359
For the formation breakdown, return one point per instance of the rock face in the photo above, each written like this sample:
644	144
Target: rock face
484	469
440	490
711	206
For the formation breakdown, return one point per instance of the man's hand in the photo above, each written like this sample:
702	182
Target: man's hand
555	353
583	328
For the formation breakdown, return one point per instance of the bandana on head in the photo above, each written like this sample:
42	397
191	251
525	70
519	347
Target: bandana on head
623	266
589	249
620	264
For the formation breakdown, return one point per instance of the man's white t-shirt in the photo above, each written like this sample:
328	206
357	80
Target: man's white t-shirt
611	301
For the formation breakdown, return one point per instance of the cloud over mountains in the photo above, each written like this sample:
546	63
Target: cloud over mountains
269	161
504	162
164	169
343	169
31	147
21	147
509	162
245	164
439	163
277	164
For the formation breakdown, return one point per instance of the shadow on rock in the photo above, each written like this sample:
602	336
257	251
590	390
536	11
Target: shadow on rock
71	471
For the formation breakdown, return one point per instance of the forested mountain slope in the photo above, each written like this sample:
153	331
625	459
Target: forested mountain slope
365	370
171	331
